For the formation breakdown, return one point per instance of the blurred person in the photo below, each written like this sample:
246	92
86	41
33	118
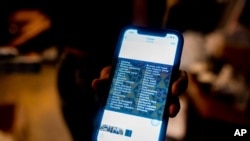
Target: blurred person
218	91
87	42
82	61
88	48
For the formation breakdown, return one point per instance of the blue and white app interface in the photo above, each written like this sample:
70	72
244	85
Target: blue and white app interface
138	93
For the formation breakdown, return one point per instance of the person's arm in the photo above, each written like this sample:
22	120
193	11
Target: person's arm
26	24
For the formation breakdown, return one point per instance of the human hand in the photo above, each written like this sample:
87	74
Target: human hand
34	22
179	86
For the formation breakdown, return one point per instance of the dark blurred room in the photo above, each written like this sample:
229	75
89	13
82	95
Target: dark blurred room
50	51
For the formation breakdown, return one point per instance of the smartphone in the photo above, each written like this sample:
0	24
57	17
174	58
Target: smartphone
145	62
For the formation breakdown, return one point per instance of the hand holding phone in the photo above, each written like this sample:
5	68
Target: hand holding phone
144	65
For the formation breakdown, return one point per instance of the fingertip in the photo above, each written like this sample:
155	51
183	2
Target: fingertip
174	109
105	72
94	84
180	85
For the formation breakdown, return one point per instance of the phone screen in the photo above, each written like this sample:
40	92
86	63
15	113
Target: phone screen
135	106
